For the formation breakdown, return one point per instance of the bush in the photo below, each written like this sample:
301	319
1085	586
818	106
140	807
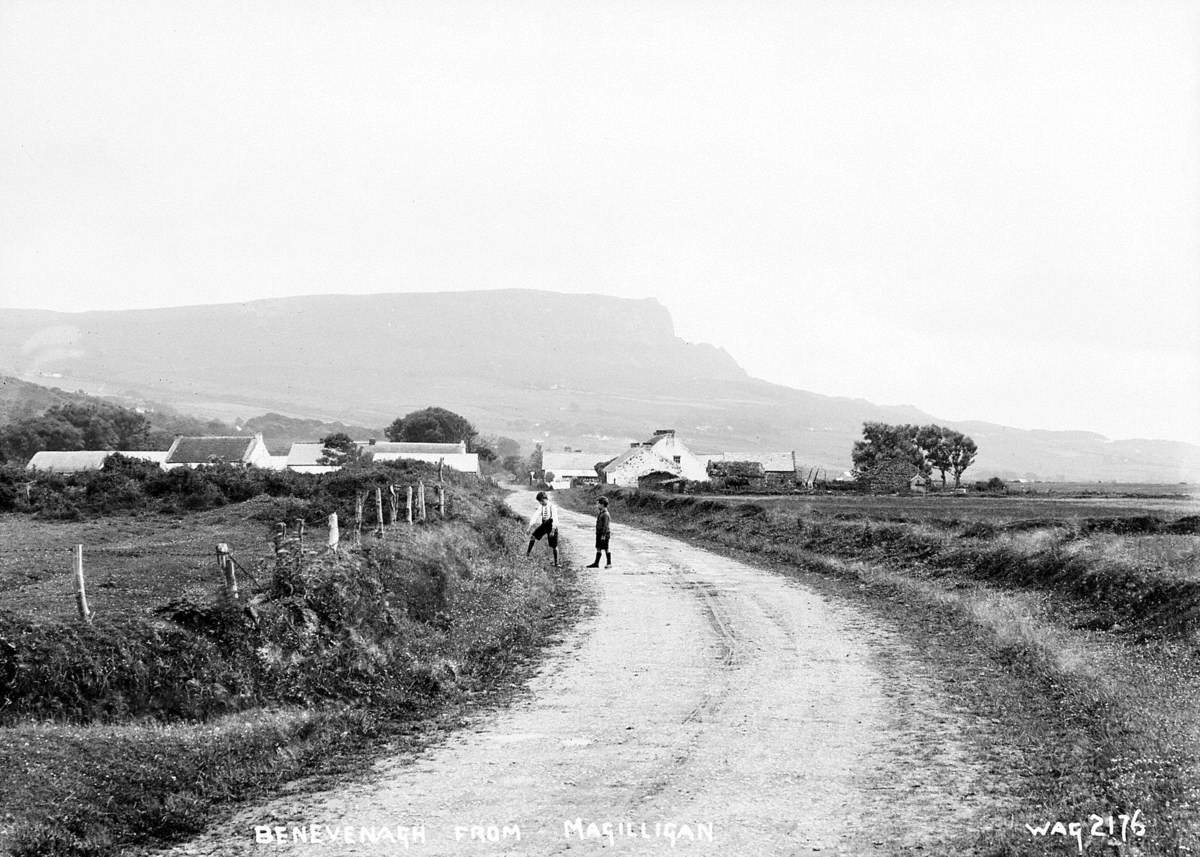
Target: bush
12	488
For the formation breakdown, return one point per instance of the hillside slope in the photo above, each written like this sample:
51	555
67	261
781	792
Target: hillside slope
585	370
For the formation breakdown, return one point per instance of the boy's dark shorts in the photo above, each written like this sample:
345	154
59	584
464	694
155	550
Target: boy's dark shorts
546	528
601	543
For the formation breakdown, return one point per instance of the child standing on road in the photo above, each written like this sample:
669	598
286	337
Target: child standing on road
544	523
602	533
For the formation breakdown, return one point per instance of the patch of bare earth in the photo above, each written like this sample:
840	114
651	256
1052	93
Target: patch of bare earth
706	707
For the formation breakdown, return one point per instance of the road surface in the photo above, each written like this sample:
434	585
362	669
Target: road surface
707	707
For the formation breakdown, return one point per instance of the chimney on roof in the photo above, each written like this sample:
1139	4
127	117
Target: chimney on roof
660	432
635	444
371	442
566	449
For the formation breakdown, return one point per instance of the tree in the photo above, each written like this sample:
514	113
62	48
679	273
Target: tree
962	455
934	442
432	425
882	442
339	450
929	448
502	446
75	426
516	465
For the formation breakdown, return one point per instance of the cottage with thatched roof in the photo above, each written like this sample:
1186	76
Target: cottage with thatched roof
246	451
890	476
735	473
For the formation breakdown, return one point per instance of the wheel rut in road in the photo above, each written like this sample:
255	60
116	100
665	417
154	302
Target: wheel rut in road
702	693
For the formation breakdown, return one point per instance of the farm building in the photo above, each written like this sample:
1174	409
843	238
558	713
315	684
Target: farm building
736	474
660	480
776	467
662	452
572	467
458	448
83	460
306	457
463	462
891	476
196	451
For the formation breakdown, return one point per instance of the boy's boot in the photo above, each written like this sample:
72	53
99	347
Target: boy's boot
529	549
595	564
609	555
555	557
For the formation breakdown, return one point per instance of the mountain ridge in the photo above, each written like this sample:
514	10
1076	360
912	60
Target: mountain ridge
579	370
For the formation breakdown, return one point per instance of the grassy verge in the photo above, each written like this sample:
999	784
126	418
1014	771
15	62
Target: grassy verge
1090	561
143	730
1079	720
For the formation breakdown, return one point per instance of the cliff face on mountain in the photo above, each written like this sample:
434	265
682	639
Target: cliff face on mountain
583	370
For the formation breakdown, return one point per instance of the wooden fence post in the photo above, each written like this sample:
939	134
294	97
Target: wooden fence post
225	563
421	500
408	505
280	535
80	590
441	500
441	461
358	518
378	512
393	502
333	532
300	536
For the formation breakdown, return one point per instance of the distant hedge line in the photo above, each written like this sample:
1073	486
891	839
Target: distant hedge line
133	485
1138	599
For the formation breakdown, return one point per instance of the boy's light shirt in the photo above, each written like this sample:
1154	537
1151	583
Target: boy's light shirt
545	513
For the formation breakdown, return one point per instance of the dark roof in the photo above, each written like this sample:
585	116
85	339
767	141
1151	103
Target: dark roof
661	476
203	450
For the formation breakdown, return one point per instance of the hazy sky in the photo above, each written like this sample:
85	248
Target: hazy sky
990	210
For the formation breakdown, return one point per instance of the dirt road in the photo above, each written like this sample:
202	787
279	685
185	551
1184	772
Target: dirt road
707	707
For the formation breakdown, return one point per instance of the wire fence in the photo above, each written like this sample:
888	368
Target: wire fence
138	578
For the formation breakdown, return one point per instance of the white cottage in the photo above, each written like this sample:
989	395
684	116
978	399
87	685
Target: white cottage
51	461
572	467
662	453
306	457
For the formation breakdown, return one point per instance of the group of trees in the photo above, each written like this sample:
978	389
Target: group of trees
428	425
75	426
929	448
90	423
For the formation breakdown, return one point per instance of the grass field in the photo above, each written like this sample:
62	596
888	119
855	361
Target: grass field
132	563
1061	505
